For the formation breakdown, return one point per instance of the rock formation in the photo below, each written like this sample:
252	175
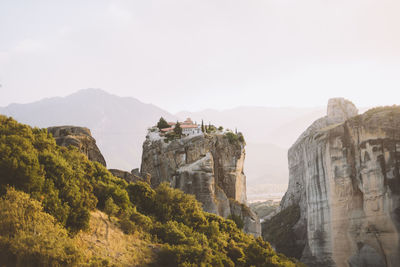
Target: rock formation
344	180
208	166
132	176
79	137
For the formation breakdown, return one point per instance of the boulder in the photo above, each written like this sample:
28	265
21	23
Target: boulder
79	137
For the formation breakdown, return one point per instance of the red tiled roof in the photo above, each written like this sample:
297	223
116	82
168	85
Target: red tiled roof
167	129
188	121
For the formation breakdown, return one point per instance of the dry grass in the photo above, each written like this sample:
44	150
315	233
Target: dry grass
106	241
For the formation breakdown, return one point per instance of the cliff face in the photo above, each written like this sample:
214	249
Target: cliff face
344	177
79	137
207	166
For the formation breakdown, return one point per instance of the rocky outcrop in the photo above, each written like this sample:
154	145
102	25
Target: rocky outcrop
132	176
208	166
344	178
79	137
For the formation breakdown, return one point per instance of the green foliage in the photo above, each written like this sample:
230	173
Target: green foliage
110	208
105	185
178	130
69	186
279	231
235	138
211	129
31	237
132	220
237	219
170	136
220	128
193	237
19	163
142	196
31	161
241	138
170	204
162	124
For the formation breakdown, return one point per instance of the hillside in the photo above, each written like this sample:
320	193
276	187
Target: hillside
117	123
50	204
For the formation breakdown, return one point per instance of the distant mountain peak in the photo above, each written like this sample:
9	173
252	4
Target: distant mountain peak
91	91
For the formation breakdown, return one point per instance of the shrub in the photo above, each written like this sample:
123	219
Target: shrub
211	129
232	138
178	130
110	208
237	219
235	138
31	161
31	237
142	196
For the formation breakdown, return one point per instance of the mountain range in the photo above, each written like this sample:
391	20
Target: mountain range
119	124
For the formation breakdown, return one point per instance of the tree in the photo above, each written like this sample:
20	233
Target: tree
202	126
178	129
162	123
110	208
31	237
237	219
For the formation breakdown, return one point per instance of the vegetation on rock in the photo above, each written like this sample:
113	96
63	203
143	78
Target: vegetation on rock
178	129
279	231
235	138
265	208
162	124
211	129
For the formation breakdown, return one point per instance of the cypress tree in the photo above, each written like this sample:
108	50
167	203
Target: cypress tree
178	129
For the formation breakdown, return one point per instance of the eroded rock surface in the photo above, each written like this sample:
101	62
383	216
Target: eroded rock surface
132	176
207	166
344	176
79	137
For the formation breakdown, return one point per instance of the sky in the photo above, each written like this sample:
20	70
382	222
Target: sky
192	55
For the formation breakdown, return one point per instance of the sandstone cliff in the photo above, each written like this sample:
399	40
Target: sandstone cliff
342	205
208	166
79	137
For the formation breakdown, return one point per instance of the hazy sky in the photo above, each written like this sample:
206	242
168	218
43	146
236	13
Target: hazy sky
203	54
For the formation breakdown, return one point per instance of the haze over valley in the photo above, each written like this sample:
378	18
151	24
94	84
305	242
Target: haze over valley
223	133
119	125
